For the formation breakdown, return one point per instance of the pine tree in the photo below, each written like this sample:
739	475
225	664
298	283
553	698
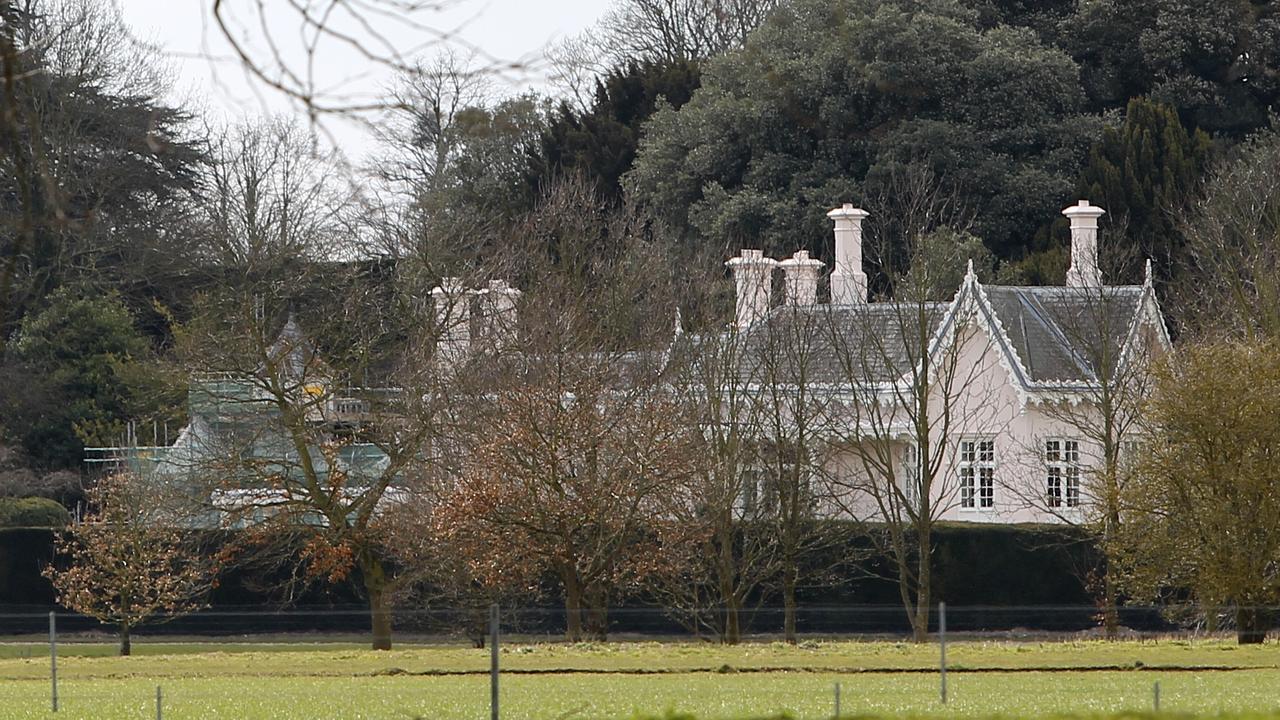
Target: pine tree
1142	172
600	144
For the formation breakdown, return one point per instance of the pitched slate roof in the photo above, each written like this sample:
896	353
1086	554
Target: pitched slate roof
839	344
1052	337
1066	334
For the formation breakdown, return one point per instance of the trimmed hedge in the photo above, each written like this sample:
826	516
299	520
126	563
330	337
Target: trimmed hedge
1000	567
32	512
24	553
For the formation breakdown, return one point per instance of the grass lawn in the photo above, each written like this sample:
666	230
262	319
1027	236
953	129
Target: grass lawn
622	680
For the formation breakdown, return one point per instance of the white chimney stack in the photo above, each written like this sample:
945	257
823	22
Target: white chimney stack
800	278
753	275
499	307
453	318
1084	271
848	281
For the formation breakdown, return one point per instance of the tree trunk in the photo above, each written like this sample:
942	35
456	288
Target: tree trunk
789	581
1110	615
733	620
732	606
924	588
572	608
126	645
1251	625
375	583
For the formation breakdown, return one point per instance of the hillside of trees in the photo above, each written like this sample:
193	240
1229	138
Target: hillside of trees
134	230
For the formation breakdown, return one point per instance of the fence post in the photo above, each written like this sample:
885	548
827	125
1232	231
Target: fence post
159	704
493	661
53	658
942	646
837	713
1156	698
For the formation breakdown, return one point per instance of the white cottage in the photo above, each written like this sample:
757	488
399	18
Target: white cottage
1007	404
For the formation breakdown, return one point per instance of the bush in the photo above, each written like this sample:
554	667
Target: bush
32	512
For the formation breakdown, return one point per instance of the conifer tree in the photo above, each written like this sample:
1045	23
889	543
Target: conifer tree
1143	171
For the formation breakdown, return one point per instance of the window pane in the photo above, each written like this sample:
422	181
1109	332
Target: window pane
966	487
1051	451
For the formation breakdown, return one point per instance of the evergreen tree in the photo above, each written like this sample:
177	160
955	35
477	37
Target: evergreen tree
600	144
1142	172
80	370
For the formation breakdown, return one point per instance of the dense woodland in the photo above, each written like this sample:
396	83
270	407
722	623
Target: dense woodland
140	243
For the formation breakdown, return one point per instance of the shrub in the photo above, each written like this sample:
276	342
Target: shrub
32	512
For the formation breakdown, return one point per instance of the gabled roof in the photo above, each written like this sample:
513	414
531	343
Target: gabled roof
1050	338
1065	334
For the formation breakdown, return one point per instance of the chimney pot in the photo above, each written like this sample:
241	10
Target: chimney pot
848	281
800	275
453	318
1084	271
499	307
753	277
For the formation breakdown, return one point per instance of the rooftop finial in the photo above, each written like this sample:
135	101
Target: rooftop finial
969	274
1147	279
679	323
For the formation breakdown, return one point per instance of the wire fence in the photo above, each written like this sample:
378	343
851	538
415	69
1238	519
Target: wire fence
517	662
549	623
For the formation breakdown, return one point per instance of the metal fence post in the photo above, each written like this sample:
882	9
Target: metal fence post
837	713
159	704
942	646
53	658
493	661
1156	698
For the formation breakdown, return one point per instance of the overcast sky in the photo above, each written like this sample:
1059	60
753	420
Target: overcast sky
211	78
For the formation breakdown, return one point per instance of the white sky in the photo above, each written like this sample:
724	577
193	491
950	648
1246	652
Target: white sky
211	79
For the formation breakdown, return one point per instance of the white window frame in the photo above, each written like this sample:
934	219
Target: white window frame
1062	473
976	470
750	489
909	470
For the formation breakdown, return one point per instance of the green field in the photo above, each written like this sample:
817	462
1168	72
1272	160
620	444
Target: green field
622	680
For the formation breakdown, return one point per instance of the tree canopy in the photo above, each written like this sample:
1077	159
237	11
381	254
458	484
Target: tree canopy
825	99
600	143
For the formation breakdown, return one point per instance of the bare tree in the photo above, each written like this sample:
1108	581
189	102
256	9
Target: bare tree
916	437
579	438
270	196
1231	286
1115	334
420	130
320	381
729	553
679	30
576	62
792	440
279	46
304	427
